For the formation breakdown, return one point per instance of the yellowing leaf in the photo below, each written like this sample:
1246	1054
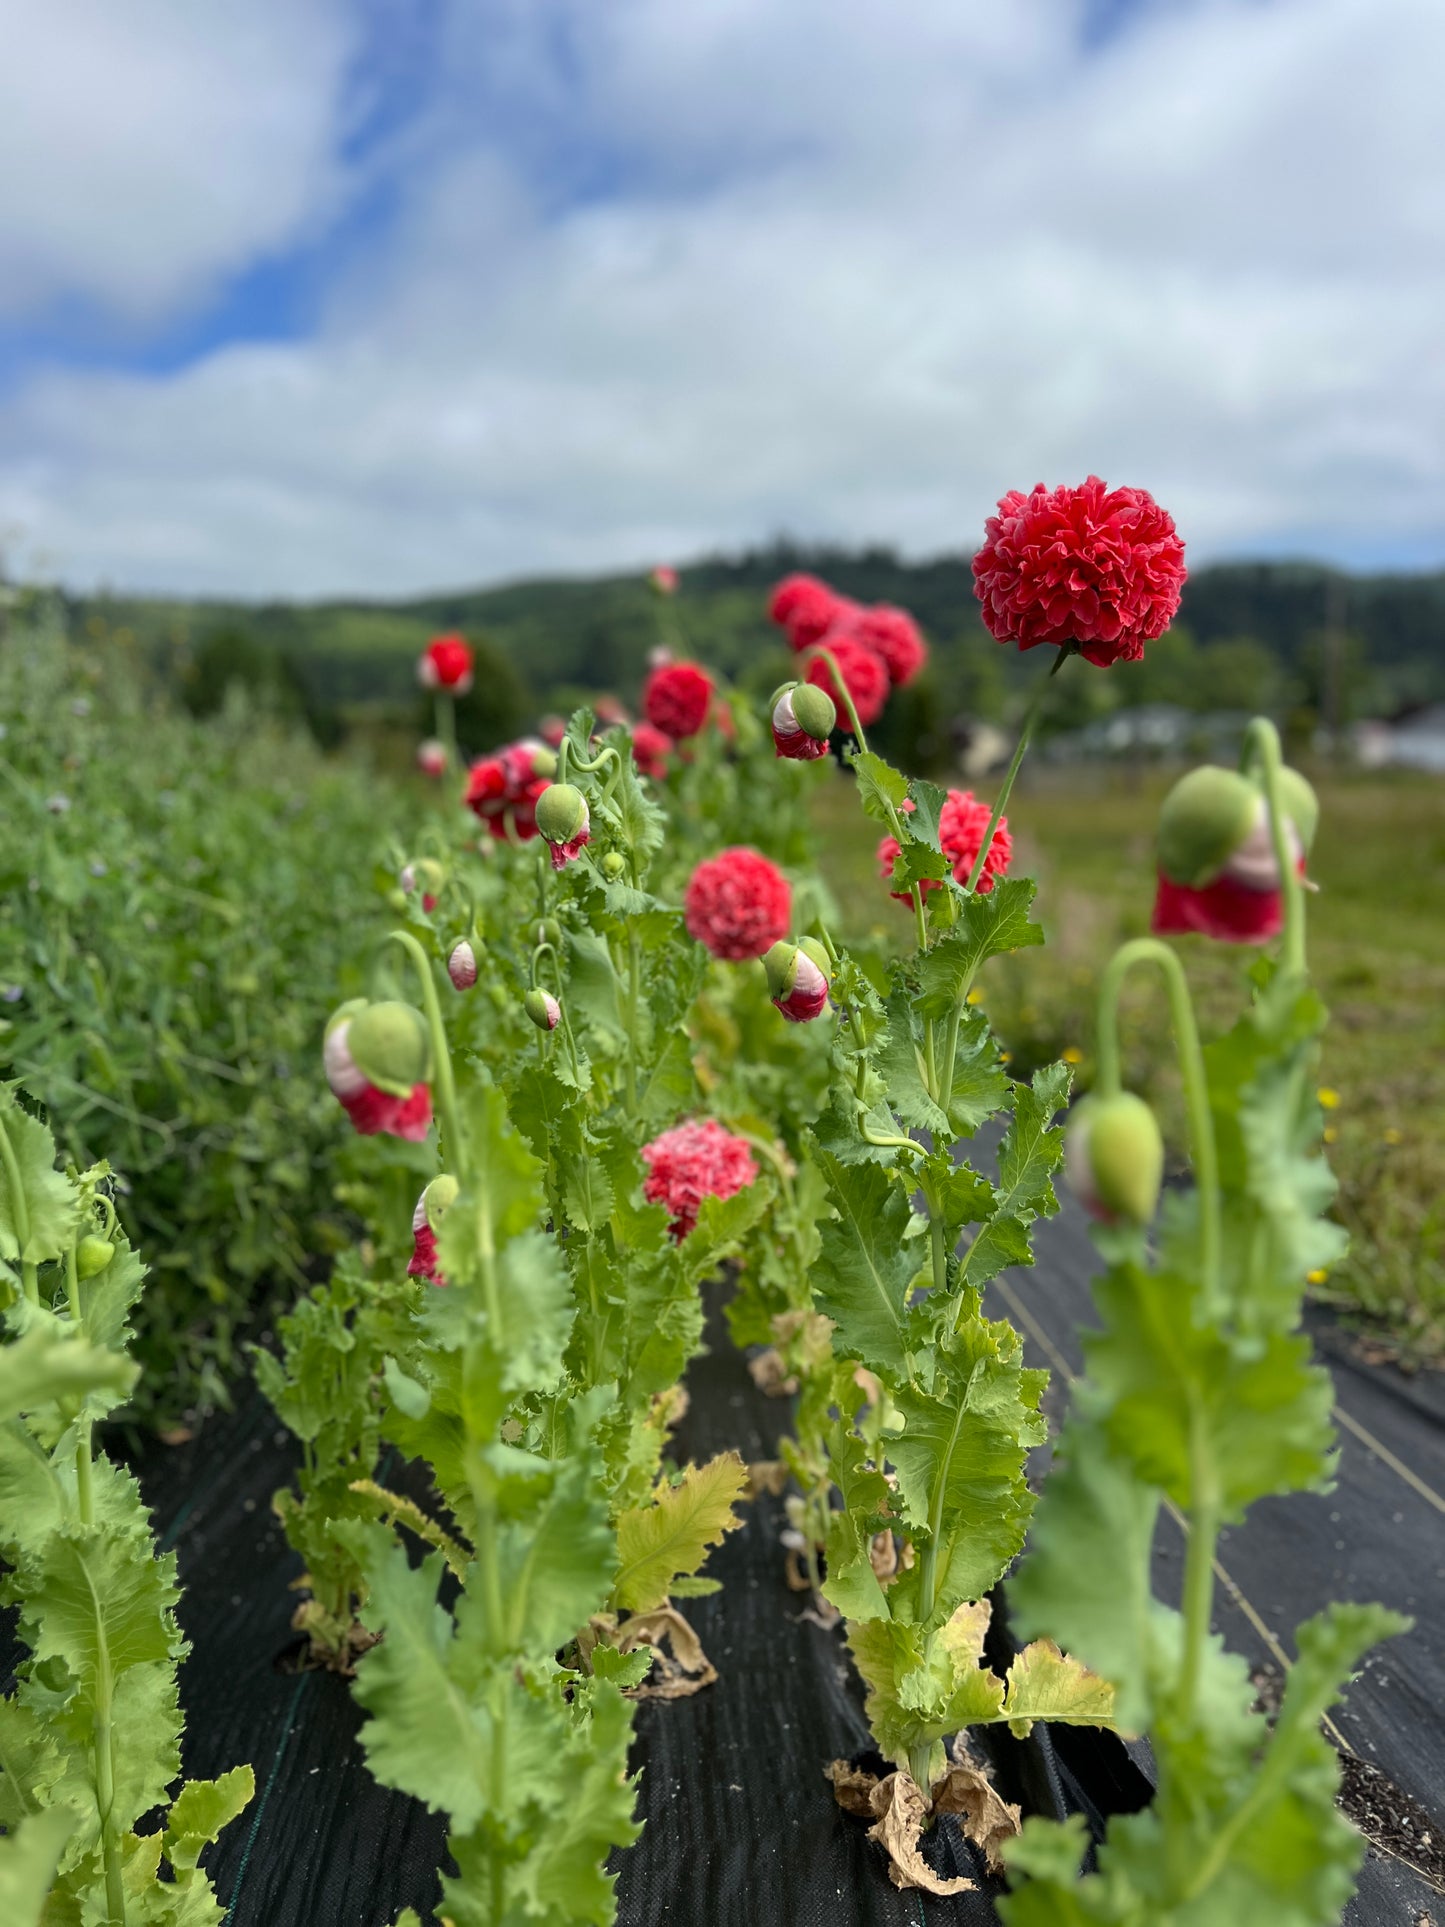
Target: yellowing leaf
1045	1684
673	1533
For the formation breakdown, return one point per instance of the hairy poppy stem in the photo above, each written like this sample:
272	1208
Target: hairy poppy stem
1031	716
451	1117
19	1210
1261	745
1196	1088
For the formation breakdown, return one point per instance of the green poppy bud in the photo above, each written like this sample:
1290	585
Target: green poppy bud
391	1047
92	1255
1114	1158
813	710
1205	818
543	1009
613	865
1301	806
561	813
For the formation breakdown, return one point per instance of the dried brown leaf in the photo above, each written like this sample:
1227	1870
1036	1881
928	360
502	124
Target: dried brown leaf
987	1820
676	1674
852	1787
767	1475
903	1812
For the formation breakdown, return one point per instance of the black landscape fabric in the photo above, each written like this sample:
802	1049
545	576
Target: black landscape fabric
741	1827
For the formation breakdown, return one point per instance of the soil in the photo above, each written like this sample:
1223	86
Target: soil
1391	1820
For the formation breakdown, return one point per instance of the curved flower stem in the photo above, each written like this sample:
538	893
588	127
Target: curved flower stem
889	1142
855	727
1204	1510
1261	745
19	1210
1031	716
1196	1089
451	1117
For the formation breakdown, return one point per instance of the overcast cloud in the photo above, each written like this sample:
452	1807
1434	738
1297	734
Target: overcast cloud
660	276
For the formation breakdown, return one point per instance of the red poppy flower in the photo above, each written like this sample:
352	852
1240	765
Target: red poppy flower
663	580
676	699
446	663
1095	566
864	672
805	608
552	729
650	750
961	825
504	788
693	1161
1218	873
893	635
738	904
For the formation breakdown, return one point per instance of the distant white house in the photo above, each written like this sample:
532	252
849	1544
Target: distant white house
1413	742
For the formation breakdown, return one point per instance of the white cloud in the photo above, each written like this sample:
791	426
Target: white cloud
851	272
148	148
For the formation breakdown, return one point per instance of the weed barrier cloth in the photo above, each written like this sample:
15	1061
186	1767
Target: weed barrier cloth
741	1827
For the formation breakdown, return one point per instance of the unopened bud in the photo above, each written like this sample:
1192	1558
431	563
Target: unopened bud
613	865
798	975
435	1200
92	1255
803	719
542	930
1114	1158
462	966
431	757
543	1009
426	875
390	1045
562	815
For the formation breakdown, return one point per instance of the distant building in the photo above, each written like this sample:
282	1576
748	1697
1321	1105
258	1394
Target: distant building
1413	741
1154	731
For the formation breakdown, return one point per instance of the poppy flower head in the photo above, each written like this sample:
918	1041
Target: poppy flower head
433	1202
676	698
864	673
1092	566
431	757
651	748
1219	874
503	789
446	663
961	825
805	608
738	904
695	1160
663	580
893	635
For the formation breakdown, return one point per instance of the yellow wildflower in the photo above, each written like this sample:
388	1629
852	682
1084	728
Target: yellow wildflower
1328	1098
1393	1136
1330	1134
1317	1277
1071	1054
975	996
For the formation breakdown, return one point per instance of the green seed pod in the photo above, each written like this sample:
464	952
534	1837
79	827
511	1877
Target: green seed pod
92	1255
391	1047
1114	1158
561	812
1204	819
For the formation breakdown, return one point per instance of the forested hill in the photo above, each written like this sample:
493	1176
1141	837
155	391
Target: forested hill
1249	634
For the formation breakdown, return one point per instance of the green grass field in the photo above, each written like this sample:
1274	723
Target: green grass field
1376	930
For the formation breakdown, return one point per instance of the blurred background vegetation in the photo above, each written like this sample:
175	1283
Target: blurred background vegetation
1311	646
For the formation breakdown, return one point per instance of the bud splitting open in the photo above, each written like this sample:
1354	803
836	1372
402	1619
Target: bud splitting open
462	965
1218	869
798	975
377	1059
564	821
803	719
543	1009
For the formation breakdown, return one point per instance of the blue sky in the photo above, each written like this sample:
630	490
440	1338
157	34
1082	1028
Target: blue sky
374	296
